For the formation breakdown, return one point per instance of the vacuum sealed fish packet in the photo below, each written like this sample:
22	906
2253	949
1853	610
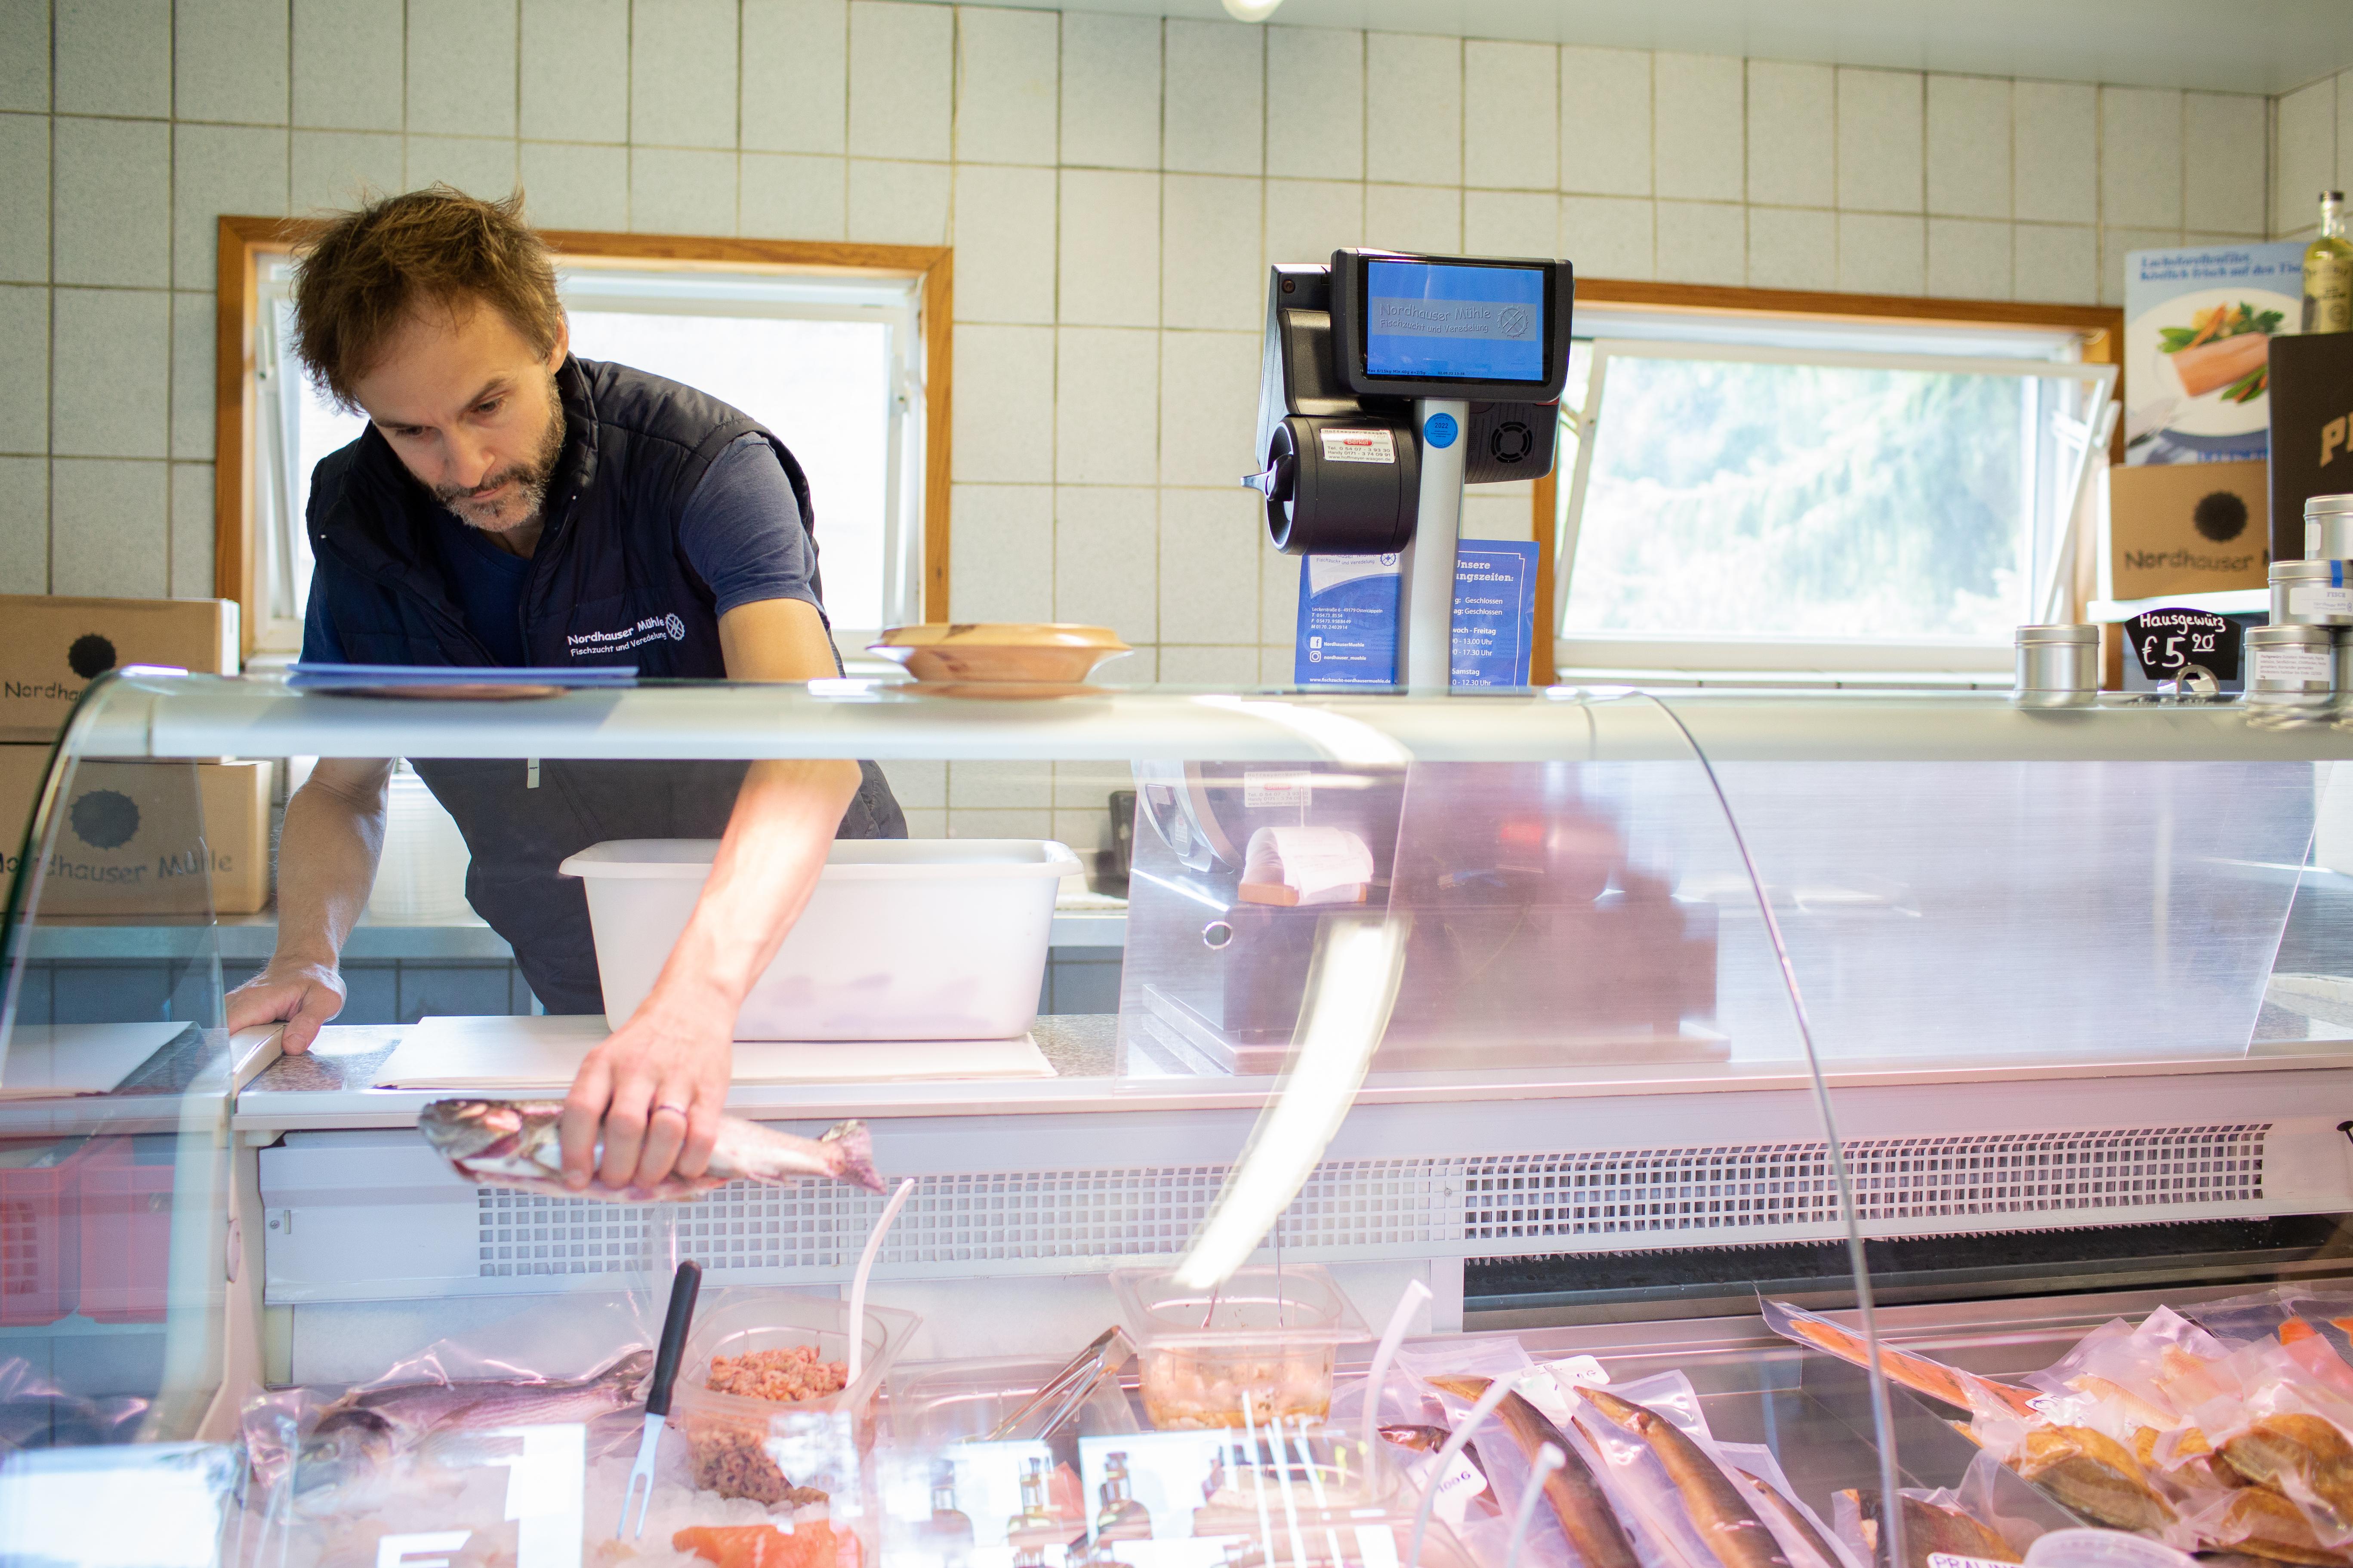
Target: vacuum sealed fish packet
1804	1537
2286	1433
1964	1391
2122	1377
1715	1503
1577	1521
2091	1474
1936	1525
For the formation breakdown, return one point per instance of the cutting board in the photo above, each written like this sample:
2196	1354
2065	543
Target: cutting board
544	1053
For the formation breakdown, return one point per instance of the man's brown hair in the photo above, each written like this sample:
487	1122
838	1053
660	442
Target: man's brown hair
360	279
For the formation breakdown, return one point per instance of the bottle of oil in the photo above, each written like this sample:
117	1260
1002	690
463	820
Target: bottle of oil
2329	272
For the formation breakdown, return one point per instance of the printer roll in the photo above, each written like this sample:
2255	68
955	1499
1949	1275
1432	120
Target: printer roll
1341	485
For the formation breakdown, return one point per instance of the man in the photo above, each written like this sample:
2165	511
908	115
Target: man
510	505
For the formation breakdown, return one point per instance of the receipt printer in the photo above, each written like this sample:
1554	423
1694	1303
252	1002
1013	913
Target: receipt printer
1387	382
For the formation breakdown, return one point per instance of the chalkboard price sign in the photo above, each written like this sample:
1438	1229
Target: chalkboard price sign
2169	643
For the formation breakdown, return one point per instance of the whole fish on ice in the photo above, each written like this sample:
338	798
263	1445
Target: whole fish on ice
364	1441
516	1143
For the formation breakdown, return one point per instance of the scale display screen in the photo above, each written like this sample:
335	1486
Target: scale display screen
1427	319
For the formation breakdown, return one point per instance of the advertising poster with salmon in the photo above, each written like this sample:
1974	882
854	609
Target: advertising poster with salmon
2198	324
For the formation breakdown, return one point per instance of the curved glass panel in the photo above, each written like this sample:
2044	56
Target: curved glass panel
117	1245
1240	1020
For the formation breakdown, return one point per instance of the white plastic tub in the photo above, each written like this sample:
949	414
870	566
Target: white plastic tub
904	939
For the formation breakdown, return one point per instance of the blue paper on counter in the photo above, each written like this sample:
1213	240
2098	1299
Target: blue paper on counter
321	677
1494	612
1347	621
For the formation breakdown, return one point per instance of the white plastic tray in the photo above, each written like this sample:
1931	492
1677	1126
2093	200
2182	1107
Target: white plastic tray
904	939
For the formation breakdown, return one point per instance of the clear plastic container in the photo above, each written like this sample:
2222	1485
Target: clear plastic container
903	938
962	1402
1259	1346
778	1451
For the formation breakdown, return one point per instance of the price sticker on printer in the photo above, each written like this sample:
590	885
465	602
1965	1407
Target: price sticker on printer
2171	642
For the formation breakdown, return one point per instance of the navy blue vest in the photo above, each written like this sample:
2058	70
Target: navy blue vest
608	585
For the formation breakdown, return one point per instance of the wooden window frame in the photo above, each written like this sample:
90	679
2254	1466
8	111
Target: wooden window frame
248	243
2100	329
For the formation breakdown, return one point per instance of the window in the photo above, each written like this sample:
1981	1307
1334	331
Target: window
842	352
1765	492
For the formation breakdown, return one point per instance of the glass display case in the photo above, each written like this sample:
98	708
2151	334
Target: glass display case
1538	1025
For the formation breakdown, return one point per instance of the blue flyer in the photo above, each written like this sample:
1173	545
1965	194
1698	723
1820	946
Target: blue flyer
1494	612
1349	606
1347	621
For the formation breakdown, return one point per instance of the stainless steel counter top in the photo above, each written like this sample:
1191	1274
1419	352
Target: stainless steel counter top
333	1084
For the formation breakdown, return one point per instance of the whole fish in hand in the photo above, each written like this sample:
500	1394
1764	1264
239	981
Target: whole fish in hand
517	1143
1575	1497
1723	1519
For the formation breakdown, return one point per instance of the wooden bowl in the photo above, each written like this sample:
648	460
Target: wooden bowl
1000	653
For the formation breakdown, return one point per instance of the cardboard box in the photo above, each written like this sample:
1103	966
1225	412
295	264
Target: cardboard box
129	839
52	648
2191	527
2312	429
2197	320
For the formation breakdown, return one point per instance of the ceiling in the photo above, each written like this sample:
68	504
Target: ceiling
2239	45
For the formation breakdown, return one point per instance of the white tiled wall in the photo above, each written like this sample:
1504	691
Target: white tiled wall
2312	151
1113	186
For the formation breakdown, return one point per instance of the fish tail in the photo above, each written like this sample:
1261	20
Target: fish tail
2296	1330
1469	1388
850	1147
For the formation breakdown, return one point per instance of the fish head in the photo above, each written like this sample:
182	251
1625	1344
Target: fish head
343	1461
1623	1412
473	1129
627	1369
1420	1439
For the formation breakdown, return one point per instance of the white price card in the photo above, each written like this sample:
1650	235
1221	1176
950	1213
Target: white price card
1359	446
1455	1488
2317	601
1580	1369
1955	1560
141	1505
1261	791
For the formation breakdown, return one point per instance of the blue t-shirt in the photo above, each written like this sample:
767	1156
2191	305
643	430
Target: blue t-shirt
741	531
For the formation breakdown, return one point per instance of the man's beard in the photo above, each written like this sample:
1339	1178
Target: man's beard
529	478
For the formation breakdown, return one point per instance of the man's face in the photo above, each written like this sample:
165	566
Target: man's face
471	411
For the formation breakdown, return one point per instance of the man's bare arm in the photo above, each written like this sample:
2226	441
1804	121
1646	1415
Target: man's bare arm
676	1053
326	865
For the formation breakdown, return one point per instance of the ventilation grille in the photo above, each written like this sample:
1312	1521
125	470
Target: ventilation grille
1440	1206
1532	1198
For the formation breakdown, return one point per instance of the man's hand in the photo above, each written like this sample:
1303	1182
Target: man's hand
655	1088
326	863
303	995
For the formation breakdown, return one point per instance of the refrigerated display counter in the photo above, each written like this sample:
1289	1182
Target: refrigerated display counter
1582	1011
